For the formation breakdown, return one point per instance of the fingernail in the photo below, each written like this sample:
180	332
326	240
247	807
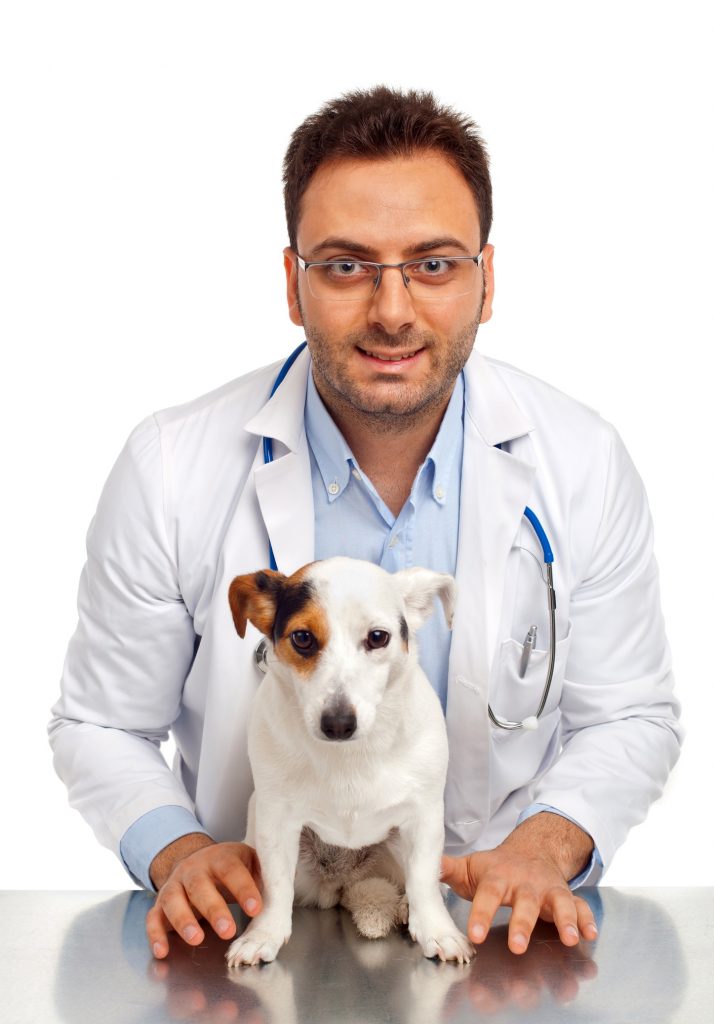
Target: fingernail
158	949
190	932
223	924
591	929
477	932
251	905
519	941
572	931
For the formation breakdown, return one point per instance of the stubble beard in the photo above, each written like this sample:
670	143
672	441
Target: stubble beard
390	405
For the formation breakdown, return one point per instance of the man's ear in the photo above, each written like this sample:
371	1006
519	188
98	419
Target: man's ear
254	598
291	282
419	587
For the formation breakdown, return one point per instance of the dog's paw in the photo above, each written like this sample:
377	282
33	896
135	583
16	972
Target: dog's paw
449	947
257	944
441	938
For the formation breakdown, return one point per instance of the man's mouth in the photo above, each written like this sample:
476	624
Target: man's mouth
390	357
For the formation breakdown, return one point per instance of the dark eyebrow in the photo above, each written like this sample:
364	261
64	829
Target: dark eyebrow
349	245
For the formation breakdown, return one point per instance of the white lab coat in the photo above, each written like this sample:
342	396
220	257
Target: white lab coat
189	504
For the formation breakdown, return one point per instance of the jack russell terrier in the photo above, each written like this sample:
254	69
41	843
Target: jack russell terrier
348	748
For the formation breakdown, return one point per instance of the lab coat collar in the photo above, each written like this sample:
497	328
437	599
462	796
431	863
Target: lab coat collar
489	404
282	416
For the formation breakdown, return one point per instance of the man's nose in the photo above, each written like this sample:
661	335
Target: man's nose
391	307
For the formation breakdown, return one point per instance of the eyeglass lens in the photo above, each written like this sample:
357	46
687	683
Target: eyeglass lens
436	278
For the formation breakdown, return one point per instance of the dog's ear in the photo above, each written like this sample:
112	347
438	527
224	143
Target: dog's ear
419	587
255	597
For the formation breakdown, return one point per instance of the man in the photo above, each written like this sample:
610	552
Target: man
393	441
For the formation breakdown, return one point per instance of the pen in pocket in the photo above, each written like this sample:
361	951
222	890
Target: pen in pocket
528	645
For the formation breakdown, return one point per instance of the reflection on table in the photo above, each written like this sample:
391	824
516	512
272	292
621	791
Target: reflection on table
327	972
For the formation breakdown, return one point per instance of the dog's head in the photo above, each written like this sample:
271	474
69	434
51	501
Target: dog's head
342	630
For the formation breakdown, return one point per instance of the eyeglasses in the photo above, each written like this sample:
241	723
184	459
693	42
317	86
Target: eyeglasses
433	278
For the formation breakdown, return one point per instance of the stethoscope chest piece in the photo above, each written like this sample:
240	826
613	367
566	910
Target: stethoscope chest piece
261	655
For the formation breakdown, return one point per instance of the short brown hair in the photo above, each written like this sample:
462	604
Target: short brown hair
383	122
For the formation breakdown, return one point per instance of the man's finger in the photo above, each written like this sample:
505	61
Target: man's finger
586	919
205	898
565	915
157	927
526	908
489	897
236	877
175	905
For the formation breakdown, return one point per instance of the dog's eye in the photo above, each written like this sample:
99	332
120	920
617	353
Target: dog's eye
302	640
377	638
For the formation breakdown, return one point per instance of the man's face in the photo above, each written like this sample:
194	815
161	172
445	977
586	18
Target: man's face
387	211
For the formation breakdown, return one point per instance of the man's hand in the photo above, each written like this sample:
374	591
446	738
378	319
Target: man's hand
529	872
195	876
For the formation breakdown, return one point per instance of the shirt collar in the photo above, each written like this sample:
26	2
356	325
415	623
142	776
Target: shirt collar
331	451
447	443
336	462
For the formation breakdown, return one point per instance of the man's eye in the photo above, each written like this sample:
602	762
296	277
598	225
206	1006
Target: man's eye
377	638
303	640
432	268
345	268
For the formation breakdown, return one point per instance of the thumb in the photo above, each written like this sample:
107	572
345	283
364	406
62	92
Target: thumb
455	872
450	869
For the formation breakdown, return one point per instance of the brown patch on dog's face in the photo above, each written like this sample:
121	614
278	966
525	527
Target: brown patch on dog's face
284	608
301	631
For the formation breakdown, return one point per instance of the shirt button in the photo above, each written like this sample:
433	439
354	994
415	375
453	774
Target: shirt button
439	492
355	474
333	488
393	542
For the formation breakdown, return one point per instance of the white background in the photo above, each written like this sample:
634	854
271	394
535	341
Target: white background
141	229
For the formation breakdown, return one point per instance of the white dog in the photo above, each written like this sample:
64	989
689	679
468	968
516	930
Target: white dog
348	747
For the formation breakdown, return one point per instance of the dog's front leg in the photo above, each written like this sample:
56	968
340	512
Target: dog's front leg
277	843
430	924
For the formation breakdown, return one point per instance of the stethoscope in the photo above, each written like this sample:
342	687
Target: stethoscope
261	651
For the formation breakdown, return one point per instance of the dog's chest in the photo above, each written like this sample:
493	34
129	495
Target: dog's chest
359	824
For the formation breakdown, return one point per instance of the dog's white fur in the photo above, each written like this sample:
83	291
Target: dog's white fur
356	821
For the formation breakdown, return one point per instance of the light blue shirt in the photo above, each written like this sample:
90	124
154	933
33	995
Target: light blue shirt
352	519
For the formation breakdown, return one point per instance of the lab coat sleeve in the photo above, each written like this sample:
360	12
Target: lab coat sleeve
128	659
620	719
149	835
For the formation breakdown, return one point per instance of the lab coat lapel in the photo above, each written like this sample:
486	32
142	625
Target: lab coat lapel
495	488
284	486
278	498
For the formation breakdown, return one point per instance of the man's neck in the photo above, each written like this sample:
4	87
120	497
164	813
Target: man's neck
389	450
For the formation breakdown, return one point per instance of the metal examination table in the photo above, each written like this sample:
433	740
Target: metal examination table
83	956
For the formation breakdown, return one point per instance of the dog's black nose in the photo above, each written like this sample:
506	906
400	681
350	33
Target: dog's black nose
338	725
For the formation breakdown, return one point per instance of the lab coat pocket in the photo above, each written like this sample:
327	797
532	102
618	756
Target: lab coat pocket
514	699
